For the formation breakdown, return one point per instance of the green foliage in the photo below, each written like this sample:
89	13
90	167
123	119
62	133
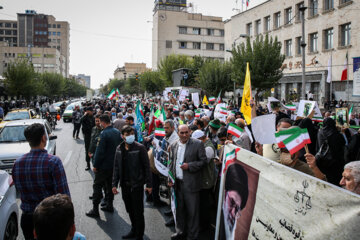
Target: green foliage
20	79
73	89
215	76
53	84
171	63
131	86
151	82
265	60
115	83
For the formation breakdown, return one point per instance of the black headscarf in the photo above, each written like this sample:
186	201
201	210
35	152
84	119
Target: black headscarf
312	130
329	127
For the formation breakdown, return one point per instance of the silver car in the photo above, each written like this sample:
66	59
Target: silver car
9	210
13	143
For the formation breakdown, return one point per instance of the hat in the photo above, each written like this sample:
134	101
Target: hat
89	109
215	123
198	134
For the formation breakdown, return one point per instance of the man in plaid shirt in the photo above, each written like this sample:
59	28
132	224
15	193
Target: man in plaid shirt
37	175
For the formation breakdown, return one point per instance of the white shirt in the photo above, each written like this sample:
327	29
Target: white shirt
180	160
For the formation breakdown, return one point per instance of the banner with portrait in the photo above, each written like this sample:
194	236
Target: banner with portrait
262	199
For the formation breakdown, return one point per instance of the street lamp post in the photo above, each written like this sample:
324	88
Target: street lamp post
303	45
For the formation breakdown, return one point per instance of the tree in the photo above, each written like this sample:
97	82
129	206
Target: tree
131	86
171	63
116	83
20	79
151	82
53	84
73	89
215	76
265	60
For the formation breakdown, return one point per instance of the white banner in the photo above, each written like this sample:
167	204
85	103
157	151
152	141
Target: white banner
263	128
278	202
195	99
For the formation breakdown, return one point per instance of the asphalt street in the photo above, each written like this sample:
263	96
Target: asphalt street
110	225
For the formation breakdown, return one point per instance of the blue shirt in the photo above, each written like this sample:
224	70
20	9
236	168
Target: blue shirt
38	175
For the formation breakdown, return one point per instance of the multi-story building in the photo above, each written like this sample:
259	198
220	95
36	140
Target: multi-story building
43	31
86	78
177	31
129	70
330	32
8	32
43	59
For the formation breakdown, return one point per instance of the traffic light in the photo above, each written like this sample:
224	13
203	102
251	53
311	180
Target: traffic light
136	77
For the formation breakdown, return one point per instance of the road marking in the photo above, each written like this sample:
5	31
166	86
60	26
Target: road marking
68	156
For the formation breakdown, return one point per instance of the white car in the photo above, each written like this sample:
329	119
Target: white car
9	210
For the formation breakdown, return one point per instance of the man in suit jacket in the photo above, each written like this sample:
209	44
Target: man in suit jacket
187	157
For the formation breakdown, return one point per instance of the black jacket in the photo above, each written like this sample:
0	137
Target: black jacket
87	123
139	165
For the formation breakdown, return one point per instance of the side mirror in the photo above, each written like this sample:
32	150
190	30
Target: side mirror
52	137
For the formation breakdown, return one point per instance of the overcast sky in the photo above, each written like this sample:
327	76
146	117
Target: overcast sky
105	34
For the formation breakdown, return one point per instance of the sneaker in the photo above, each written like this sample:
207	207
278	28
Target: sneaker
93	213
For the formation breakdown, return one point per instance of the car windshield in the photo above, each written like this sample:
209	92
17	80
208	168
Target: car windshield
58	104
70	107
17	116
12	134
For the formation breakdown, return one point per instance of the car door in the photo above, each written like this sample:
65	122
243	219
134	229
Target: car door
51	144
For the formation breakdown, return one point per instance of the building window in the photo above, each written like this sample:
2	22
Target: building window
58	26
267	24
345	34
58	33
168	44
183	45
222	33
298	6
54	25
288	15
222	47
1	32
313	8
298	46
14	32
8	25
183	30
7	32
14	25
313	42
196	45
249	29
258	27
209	46
288	45
210	32
197	31
277	17
328	4
329	38
54	33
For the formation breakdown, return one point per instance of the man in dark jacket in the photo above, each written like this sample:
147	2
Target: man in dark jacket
76	120
95	133
103	166
131	172
87	122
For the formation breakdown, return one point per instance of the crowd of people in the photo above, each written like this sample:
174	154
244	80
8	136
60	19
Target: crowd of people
124	154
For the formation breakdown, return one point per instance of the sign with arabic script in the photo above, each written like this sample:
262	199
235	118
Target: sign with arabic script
287	204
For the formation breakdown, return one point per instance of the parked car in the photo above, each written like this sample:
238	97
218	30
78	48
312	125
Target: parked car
13	143
9	210
19	114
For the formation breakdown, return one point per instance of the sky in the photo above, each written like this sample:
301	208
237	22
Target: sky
106	34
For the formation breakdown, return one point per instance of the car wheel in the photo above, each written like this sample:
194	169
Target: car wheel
11	230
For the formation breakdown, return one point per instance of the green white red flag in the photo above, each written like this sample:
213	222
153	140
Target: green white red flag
159	132
218	100
297	140
212	99
284	134
197	113
223	111
234	130
230	157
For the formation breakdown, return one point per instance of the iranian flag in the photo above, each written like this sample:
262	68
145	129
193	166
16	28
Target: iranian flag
111	95
160	114
223	111
230	157
171	176
197	113
235	130
212	99
291	107
317	119
297	140
218	100
159	132
284	134
350	112
152	120
344	72
175	108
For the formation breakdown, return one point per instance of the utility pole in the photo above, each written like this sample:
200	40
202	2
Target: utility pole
347	78
303	45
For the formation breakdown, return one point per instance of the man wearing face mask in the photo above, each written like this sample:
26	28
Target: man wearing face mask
131	172
109	139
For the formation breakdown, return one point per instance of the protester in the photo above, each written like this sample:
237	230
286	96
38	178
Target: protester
131	172
245	141
87	123
103	166
37	175
54	218
119	123
187	158
76	120
351	177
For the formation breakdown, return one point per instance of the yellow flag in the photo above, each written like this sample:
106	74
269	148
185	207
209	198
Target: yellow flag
205	101
246	97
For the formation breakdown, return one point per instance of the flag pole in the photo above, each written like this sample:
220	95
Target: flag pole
331	81
347	77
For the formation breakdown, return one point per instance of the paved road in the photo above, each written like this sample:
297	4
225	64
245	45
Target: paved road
110	225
